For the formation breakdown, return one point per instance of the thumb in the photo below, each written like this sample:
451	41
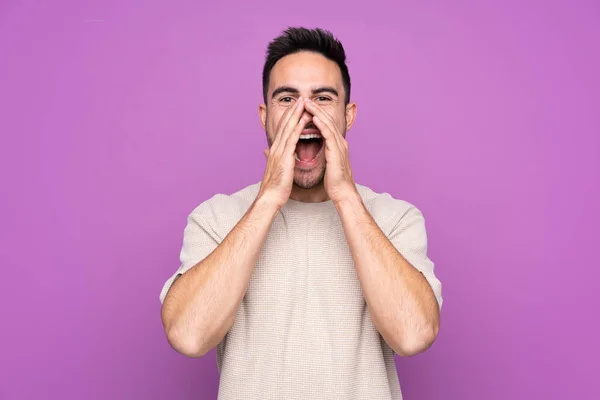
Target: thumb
266	151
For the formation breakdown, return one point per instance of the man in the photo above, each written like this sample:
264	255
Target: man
307	283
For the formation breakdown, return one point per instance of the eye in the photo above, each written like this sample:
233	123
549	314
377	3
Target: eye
286	99
323	99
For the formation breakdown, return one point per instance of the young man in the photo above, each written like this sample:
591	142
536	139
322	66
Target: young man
307	283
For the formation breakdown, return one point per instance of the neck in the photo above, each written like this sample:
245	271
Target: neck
316	194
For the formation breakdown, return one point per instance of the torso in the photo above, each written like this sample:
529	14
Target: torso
303	330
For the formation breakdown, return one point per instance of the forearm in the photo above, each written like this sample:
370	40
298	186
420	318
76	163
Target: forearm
200	307
401	302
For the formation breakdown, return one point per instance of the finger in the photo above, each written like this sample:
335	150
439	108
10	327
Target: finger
316	109
292	121
281	136
290	145
266	151
282	123
326	122
329	136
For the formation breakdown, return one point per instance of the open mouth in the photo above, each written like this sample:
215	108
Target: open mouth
309	146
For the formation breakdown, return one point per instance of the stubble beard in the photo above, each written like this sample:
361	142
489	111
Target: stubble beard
309	179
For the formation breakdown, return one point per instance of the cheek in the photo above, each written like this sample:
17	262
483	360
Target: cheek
272	122
274	116
337	114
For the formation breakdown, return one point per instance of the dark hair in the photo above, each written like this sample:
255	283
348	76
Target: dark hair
294	40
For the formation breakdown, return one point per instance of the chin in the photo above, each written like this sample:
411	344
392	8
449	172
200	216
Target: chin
308	179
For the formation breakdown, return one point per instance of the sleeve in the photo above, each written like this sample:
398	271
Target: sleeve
199	240
409	237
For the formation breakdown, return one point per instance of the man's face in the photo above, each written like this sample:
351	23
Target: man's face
308	75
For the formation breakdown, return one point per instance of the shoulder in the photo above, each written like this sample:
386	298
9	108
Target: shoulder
388	211
226	208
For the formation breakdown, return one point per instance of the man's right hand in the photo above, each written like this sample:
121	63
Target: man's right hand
277	182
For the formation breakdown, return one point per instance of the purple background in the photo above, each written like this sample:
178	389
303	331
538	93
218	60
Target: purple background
118	118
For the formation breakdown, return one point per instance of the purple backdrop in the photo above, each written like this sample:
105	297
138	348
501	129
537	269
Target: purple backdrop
119	118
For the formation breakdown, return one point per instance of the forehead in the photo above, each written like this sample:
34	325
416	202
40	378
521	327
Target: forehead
306	70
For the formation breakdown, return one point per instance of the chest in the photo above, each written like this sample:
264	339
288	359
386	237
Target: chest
305	263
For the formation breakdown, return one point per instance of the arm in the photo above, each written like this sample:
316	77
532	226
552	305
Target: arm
402	303
403	306
201	305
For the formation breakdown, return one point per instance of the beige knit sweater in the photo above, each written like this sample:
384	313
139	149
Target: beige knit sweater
303	330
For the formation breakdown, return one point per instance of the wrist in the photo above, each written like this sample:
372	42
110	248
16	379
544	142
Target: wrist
351	201
265	204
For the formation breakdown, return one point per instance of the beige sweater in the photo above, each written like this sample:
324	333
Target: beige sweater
303	330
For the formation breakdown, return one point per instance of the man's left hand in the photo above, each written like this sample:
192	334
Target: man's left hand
339	183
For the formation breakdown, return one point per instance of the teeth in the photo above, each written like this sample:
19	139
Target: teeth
296	156
310	136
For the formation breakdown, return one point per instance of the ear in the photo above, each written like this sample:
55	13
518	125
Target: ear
350	115
262	113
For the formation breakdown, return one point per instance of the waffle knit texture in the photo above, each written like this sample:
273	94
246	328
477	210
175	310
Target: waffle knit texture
303	329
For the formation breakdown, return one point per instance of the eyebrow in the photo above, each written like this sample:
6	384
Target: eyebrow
284	89
289	89
326	89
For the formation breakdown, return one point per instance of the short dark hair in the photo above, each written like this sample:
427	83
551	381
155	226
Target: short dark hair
294	40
